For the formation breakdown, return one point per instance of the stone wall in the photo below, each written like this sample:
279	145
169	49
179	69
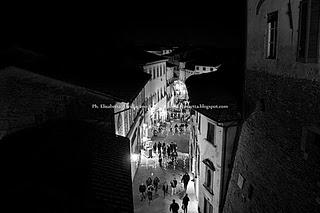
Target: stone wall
28	99
285	62
277	178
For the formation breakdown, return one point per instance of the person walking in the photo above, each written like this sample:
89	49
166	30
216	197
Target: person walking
171	146
175	147
164	150
154	147
174	183
156	181
163	147
174	157
142	190
185	202
159	147
174	207
160	161
149	181
185	180
149	193
168	151
165	189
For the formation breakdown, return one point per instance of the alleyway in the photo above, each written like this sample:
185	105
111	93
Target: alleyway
150	167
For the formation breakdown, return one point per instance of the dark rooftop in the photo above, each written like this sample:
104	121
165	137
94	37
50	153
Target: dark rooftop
114	72
207	55
168	64
190	66
142	57
215	89
65	166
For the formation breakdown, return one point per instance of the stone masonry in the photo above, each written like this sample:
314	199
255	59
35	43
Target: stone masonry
29	99
277	178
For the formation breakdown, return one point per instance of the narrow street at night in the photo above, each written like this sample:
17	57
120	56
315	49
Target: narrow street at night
167	107
149	167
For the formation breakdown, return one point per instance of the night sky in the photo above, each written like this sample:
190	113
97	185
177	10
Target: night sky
220	23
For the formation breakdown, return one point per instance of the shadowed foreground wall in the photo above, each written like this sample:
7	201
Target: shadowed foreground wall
28	99
277	178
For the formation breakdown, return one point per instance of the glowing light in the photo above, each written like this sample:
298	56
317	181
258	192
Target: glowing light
134	157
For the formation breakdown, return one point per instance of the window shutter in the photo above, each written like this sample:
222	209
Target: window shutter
313	46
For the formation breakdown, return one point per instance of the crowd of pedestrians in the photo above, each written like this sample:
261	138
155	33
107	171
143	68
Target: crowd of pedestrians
167	151
174	128
152	186
167	155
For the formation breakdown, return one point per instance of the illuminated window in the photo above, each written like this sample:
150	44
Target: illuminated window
272	23
308	32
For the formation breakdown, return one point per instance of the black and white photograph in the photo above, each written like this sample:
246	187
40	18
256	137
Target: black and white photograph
160	107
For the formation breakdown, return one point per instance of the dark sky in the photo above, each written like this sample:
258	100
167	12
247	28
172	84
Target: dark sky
221	23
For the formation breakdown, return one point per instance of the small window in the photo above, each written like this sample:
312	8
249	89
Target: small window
199	123
308	31
210	133
203	68
272	31
209	175
211	68
154	73
197	68
207	206
208	178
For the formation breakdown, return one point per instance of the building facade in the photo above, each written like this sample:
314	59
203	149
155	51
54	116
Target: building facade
129	118
170	82
276	167
155	95
210	150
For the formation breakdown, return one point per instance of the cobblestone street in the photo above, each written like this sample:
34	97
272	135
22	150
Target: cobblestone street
150	167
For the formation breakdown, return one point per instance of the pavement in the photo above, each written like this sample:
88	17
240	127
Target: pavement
150	167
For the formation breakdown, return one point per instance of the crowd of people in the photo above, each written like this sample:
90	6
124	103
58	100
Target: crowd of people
152	185
168	151
171	128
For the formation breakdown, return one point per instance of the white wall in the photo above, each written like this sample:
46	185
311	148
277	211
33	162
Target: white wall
208	151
